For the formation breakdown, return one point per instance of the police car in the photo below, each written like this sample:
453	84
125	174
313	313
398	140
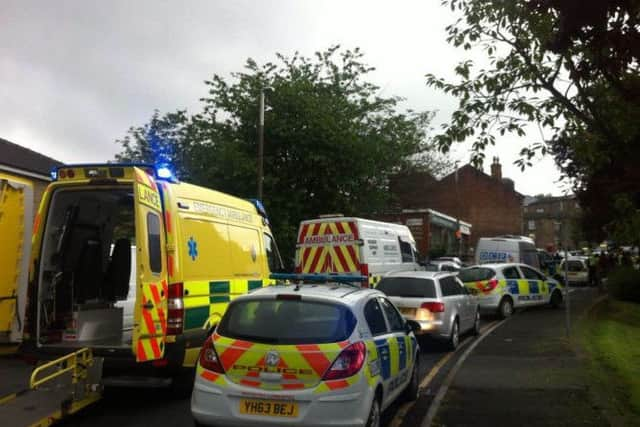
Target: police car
502	287
306	354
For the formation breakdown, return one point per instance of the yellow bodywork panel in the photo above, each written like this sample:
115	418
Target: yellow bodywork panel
16	217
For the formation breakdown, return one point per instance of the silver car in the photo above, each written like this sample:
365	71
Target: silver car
438	301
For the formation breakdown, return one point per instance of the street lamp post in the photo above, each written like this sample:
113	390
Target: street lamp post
260	143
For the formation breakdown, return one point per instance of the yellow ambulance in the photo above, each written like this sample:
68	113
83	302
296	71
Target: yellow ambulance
139	267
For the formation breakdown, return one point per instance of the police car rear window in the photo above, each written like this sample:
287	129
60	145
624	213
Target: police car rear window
407	287
475	274
287	322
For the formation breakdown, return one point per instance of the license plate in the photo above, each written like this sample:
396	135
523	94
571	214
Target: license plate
268	407
408	310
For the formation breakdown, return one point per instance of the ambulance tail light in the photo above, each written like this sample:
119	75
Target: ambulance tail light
348	363
175	306
364	270
491	284
209	358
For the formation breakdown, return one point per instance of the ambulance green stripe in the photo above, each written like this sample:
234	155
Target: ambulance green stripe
255	284
195	317
218	287
216	299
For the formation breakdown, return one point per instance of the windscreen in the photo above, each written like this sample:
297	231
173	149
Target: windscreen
275	321
407	287
475	274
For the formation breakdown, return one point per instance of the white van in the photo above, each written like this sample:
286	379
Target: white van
510	248
355	246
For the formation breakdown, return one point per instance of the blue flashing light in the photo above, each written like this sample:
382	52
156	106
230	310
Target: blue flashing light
259	206
54	174
166	173
326	277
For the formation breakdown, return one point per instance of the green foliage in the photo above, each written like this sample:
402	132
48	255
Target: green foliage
564	68
331	141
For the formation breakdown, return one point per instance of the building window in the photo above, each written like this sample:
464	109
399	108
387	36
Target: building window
557	225
561	205
532	225
525	209
540	210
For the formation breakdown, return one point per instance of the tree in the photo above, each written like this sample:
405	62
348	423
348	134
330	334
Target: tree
331	142
566	68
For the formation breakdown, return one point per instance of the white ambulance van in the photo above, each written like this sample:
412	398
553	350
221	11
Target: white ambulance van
337	244
509	248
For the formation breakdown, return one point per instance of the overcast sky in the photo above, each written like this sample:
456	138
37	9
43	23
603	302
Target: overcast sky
74	75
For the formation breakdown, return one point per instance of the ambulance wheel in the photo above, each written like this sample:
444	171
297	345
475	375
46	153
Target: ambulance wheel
556	300
413	388
476	324
374	413
454	338
505	309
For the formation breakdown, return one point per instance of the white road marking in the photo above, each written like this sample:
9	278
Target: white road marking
437	400
405	407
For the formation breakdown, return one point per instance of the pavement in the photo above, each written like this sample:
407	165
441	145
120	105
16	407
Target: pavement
525	372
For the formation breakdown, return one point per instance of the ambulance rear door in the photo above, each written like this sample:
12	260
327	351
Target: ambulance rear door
150	311
328	247
16	219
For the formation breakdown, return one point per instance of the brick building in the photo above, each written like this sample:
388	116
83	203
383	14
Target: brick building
550	221
489	202
27	164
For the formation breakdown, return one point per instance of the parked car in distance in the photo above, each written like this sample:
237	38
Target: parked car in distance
438	301
438	265
306	355
453	259
577	271
501	288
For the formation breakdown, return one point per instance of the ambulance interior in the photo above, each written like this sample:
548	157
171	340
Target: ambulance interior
87	275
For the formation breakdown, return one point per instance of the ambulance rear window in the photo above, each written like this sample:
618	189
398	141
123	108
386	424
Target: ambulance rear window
287	322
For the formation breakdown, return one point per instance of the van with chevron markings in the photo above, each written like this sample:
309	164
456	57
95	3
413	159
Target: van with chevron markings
139	267
356	246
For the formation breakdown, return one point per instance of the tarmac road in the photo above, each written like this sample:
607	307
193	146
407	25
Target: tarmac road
124	407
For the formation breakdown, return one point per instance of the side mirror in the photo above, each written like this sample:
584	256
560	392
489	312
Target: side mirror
412	326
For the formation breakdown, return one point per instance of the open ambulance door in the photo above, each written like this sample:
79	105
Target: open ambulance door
150	313
16	219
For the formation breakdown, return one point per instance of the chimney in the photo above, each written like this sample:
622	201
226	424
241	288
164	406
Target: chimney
496	168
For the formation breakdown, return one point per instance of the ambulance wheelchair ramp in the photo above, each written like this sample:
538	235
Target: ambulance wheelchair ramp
57	389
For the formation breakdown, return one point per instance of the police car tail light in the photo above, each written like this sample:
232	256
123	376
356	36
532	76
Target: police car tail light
175	306
348	363
491	284
209	358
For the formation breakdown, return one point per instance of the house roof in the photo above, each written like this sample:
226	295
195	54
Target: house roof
468	168
23	159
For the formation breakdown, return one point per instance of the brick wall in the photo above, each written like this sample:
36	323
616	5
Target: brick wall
490	204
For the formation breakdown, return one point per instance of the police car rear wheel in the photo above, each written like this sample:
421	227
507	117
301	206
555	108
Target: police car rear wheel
556	300
506	308
374	414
